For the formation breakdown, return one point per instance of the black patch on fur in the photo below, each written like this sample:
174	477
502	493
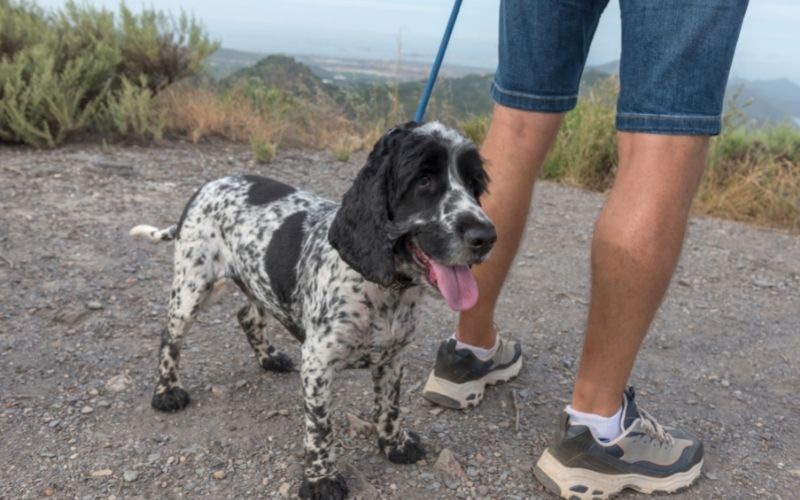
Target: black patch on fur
278	362
264	190
409	452
172	400
326	488
295	330
470	169
186	211
283	253
361	231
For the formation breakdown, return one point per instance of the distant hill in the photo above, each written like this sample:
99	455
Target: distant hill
768	101
284	73
343	72
371	87
224	61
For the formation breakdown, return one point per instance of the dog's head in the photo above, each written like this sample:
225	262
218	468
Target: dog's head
413	213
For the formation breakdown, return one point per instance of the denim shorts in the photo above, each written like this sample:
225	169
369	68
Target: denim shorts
676	56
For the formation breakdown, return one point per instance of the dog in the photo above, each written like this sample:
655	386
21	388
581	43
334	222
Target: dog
345	280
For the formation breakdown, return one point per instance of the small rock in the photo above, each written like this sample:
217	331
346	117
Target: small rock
218	475
218	391
762	283
94	305
725	382
87	410
130	476
358	425
241	383
436	411
101	473
448	464
284	489
711	476
118	383
795	472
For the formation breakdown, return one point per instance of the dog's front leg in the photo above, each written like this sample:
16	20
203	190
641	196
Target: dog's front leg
321	480
400	446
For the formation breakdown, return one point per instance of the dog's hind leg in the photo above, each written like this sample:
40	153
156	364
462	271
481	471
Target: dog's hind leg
400	446
191	287
252	319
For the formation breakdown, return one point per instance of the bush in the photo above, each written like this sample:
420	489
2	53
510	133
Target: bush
585	151
342	149
135	112
42	104
263	150
475	128
63	72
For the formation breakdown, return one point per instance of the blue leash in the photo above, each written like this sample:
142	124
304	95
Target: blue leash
426	95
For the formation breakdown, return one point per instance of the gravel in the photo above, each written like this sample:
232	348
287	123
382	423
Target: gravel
82	306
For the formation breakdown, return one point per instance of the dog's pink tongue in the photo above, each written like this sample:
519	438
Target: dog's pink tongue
457	286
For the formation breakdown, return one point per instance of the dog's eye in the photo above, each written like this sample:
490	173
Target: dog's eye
424	182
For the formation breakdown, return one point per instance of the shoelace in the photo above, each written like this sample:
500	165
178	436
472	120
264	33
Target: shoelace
653	429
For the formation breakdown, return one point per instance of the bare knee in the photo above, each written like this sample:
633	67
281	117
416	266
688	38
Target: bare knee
525	127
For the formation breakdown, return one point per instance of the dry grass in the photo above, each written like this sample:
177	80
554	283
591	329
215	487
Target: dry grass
760	186
751	176
201	113
250	118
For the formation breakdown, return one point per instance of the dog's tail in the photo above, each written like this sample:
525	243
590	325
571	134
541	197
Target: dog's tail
154	234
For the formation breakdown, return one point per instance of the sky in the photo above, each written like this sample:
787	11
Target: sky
769	46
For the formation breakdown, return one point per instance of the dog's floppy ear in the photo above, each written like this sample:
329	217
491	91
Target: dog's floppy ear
359	231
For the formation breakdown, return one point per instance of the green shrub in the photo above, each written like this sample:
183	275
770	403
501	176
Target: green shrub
342	150
43	104
585	151
263	150
161	47
475	128
135	112
63	72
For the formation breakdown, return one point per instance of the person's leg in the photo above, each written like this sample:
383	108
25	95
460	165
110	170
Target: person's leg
636	244
514	150
674	66
542	51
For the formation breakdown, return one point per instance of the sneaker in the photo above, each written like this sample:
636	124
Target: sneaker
459	378
645	457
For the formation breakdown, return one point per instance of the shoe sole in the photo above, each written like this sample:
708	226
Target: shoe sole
583	484
467	395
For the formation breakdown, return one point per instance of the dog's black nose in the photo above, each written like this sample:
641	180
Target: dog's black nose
480	237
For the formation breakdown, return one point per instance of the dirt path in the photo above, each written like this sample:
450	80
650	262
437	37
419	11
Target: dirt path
81	305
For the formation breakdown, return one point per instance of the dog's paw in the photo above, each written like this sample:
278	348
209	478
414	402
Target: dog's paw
278	362
407	449
326	488
173	399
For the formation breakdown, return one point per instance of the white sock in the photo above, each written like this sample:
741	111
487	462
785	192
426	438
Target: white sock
479	352
603	428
